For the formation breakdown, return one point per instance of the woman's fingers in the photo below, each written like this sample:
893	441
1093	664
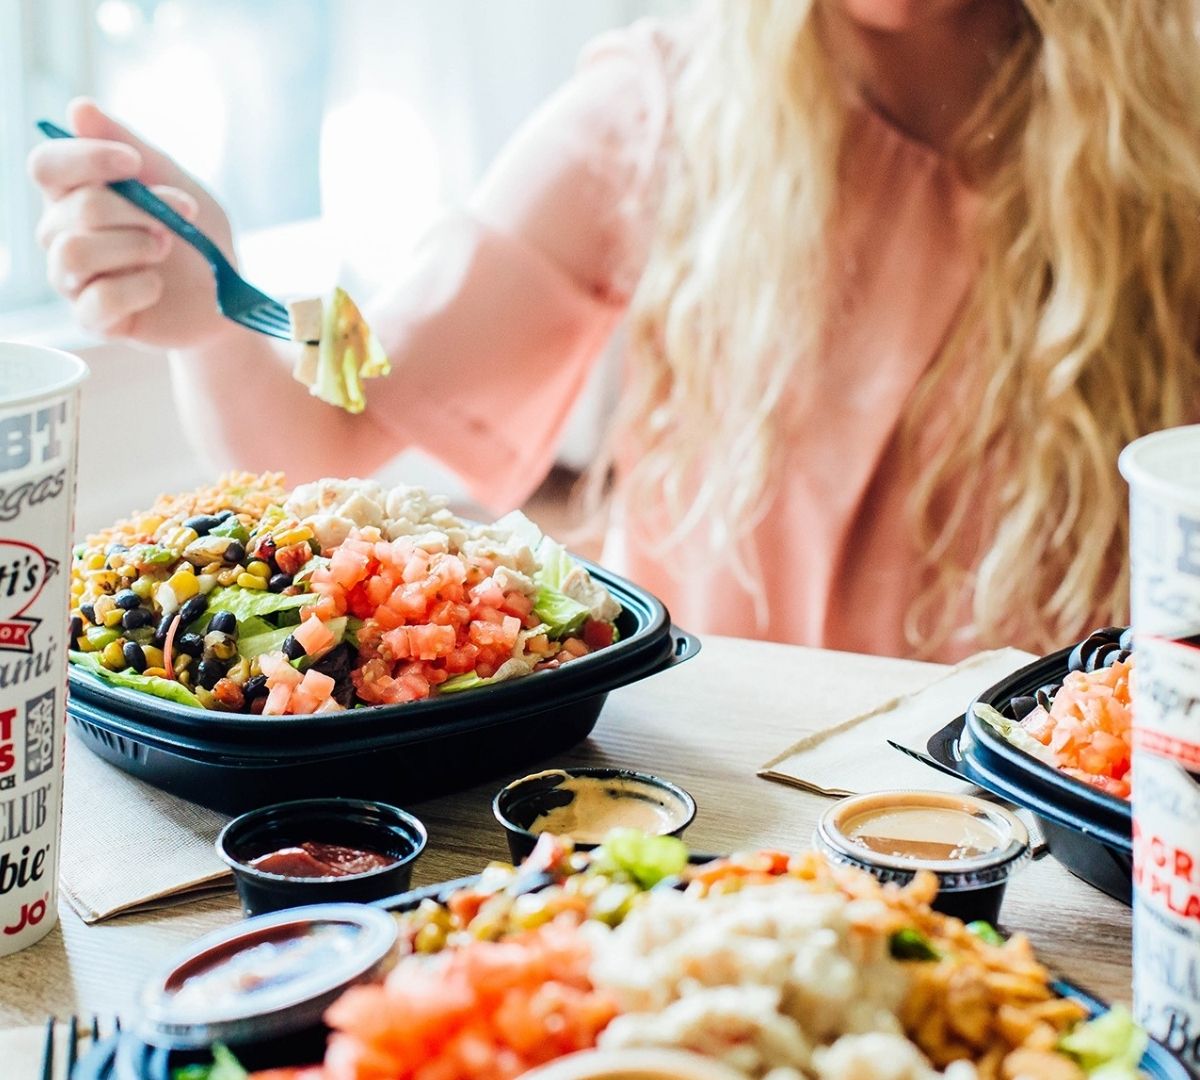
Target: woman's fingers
110	303
59	166
92	209
76	259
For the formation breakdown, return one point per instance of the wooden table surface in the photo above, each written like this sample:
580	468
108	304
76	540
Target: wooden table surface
709	725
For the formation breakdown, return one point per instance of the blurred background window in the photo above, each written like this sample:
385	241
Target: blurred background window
339	126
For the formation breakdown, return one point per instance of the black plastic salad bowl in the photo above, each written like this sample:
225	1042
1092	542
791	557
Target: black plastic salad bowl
397	753
1087	830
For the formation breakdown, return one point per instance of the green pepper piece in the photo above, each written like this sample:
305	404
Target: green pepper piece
985	931
233	528
913	945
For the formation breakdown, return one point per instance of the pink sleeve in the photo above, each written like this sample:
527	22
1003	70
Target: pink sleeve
506	307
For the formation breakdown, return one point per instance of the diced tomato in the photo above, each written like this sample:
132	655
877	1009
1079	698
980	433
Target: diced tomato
278	700
347	567
517	604
317	683
314	636
278	670
597	634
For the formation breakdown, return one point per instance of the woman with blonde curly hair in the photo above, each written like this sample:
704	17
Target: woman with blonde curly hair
901	277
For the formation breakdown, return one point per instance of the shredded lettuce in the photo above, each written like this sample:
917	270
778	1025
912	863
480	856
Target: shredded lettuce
562	616
224	1067
1012	732
273	638
510	669
148	684
1108	1047
249	603
646	859
349	352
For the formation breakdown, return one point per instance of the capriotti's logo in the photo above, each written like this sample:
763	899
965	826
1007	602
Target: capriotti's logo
24	571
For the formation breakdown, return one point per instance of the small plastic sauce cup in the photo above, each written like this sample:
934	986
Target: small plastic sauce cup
972	846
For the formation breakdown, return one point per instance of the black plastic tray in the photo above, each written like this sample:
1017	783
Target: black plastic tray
1087	830
125	1057
396	753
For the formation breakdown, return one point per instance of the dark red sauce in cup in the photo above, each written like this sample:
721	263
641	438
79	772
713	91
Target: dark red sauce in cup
313	860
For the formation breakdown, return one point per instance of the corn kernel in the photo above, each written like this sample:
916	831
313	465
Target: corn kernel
144	586
182	663
104	581
112	619
94	560
251	581
258	568
292	536
228	577
113	656
154	656
184	585
156	672
239	672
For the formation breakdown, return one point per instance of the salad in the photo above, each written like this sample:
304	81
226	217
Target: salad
774	965
246	597
337	350
1084	726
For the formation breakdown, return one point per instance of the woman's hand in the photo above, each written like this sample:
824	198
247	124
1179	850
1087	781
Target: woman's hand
125	274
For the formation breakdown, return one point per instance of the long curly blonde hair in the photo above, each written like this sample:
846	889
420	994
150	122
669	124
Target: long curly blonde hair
1083	324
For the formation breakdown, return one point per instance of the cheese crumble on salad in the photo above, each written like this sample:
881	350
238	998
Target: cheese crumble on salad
245	597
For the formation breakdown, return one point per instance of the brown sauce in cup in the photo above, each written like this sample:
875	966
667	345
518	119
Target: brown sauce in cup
932	833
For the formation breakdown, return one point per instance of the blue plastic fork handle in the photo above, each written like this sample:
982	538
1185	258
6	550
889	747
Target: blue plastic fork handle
145	199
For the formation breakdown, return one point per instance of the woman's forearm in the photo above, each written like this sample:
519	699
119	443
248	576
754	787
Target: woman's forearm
241	408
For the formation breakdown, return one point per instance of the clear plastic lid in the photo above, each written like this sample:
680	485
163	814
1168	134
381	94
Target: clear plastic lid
267	976
967	842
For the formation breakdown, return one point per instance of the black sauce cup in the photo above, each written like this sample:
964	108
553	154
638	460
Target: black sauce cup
355	823
518	805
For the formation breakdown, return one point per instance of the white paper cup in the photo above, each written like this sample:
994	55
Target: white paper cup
1163	471
39	425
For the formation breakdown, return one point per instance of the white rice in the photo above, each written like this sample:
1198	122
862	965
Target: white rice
770	980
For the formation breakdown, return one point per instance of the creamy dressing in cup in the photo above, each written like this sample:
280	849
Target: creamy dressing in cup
972	846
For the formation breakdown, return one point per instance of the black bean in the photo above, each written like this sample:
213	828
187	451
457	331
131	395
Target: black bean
193	609
202	523
255	686
235	552
225	622
127	599
209	672
134	656
1126	640
190	644
279	582
292	649
88	612
136	618
113	549
75	629
224	515
162	629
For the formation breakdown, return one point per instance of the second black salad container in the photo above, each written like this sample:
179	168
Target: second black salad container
1087	830
394	753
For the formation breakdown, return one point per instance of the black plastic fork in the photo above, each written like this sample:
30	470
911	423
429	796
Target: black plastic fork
237	299
72	1052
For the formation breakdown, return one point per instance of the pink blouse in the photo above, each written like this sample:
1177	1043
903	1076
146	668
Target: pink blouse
509	304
